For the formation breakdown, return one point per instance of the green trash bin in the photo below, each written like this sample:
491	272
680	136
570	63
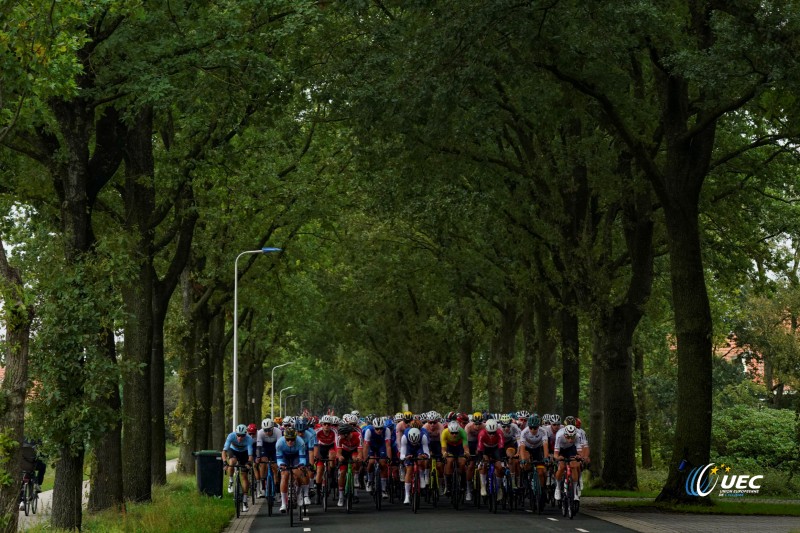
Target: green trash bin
209	472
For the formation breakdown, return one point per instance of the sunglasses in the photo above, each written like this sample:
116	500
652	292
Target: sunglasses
289	440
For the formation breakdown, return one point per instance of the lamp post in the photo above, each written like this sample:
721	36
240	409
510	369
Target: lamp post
272	391
236	325
280	401
286	403
301	404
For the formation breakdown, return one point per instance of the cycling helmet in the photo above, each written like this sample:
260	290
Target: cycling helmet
505	420
398	417
555	420
267	424
569	420
288	422
350	419
345	429
290	434
450	416
534	422
570	431
355	413
477	417
491	425
454	427
252	429
463	418
389	423
407	416
424	418
416	417
578	423
377	422
414	436
335	420
523	414
241	429
435	416
301	424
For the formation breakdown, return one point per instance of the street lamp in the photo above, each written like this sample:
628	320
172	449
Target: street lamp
236	325
272	391
280	402
301	404
286	403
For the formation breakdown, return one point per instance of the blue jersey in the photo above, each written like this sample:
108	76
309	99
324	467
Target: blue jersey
283	451
232	443
310	438
376	440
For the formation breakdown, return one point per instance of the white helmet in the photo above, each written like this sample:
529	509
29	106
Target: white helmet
355	413
454	427
491	425
350	419
288	422
267	423
570	431
414	436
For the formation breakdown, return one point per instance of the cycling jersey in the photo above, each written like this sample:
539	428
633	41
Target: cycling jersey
533	438
510	434
326	438
245	445
472	431
563	446
453	439
349	443
406	448
489	440
265	443
294	453
376	440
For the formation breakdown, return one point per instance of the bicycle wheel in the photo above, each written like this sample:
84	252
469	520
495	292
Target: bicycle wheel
378	487
491	481
536	492
322	491
455	495
415	491
270	490
476	488
508	491
27	490
237	493
563	501
35	501
292	498
349	488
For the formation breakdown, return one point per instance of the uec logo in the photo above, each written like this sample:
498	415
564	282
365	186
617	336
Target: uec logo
698	483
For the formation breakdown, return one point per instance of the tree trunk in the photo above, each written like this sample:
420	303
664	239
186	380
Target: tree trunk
202	373
570	355
217	343
492	392
546	396
507	348
19	317
106	483
641	408
187	401
693	329
68	489
596	430
139	197
527	383
465	349
158	429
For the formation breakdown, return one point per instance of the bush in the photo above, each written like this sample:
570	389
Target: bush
753	438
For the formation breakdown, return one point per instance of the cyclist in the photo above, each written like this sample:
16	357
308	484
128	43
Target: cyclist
325	441
582	439
348	446
302	426
533	446
266	440
511	433
567	448
377	447
413	446
290	452
522	419
31	461
490	445
434	429
454	442
553	428
238	449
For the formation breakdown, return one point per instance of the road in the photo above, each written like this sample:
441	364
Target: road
398	518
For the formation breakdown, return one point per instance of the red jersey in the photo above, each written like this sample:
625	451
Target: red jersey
326	439
489	440
350	443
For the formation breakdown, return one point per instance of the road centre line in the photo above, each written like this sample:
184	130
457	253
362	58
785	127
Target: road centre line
553	519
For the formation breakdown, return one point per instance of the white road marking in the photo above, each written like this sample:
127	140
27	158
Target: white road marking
305	518
553	519
306	529
582	530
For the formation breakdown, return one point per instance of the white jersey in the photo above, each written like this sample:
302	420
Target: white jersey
262	438
532	439
562	443
510	434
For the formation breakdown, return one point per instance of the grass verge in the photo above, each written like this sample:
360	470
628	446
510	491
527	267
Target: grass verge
176	508
717	507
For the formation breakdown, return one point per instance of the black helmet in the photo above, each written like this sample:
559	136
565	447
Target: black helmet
345	429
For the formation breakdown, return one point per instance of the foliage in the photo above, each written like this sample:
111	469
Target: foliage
754	436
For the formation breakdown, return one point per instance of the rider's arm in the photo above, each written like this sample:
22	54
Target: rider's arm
301	445
425	448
